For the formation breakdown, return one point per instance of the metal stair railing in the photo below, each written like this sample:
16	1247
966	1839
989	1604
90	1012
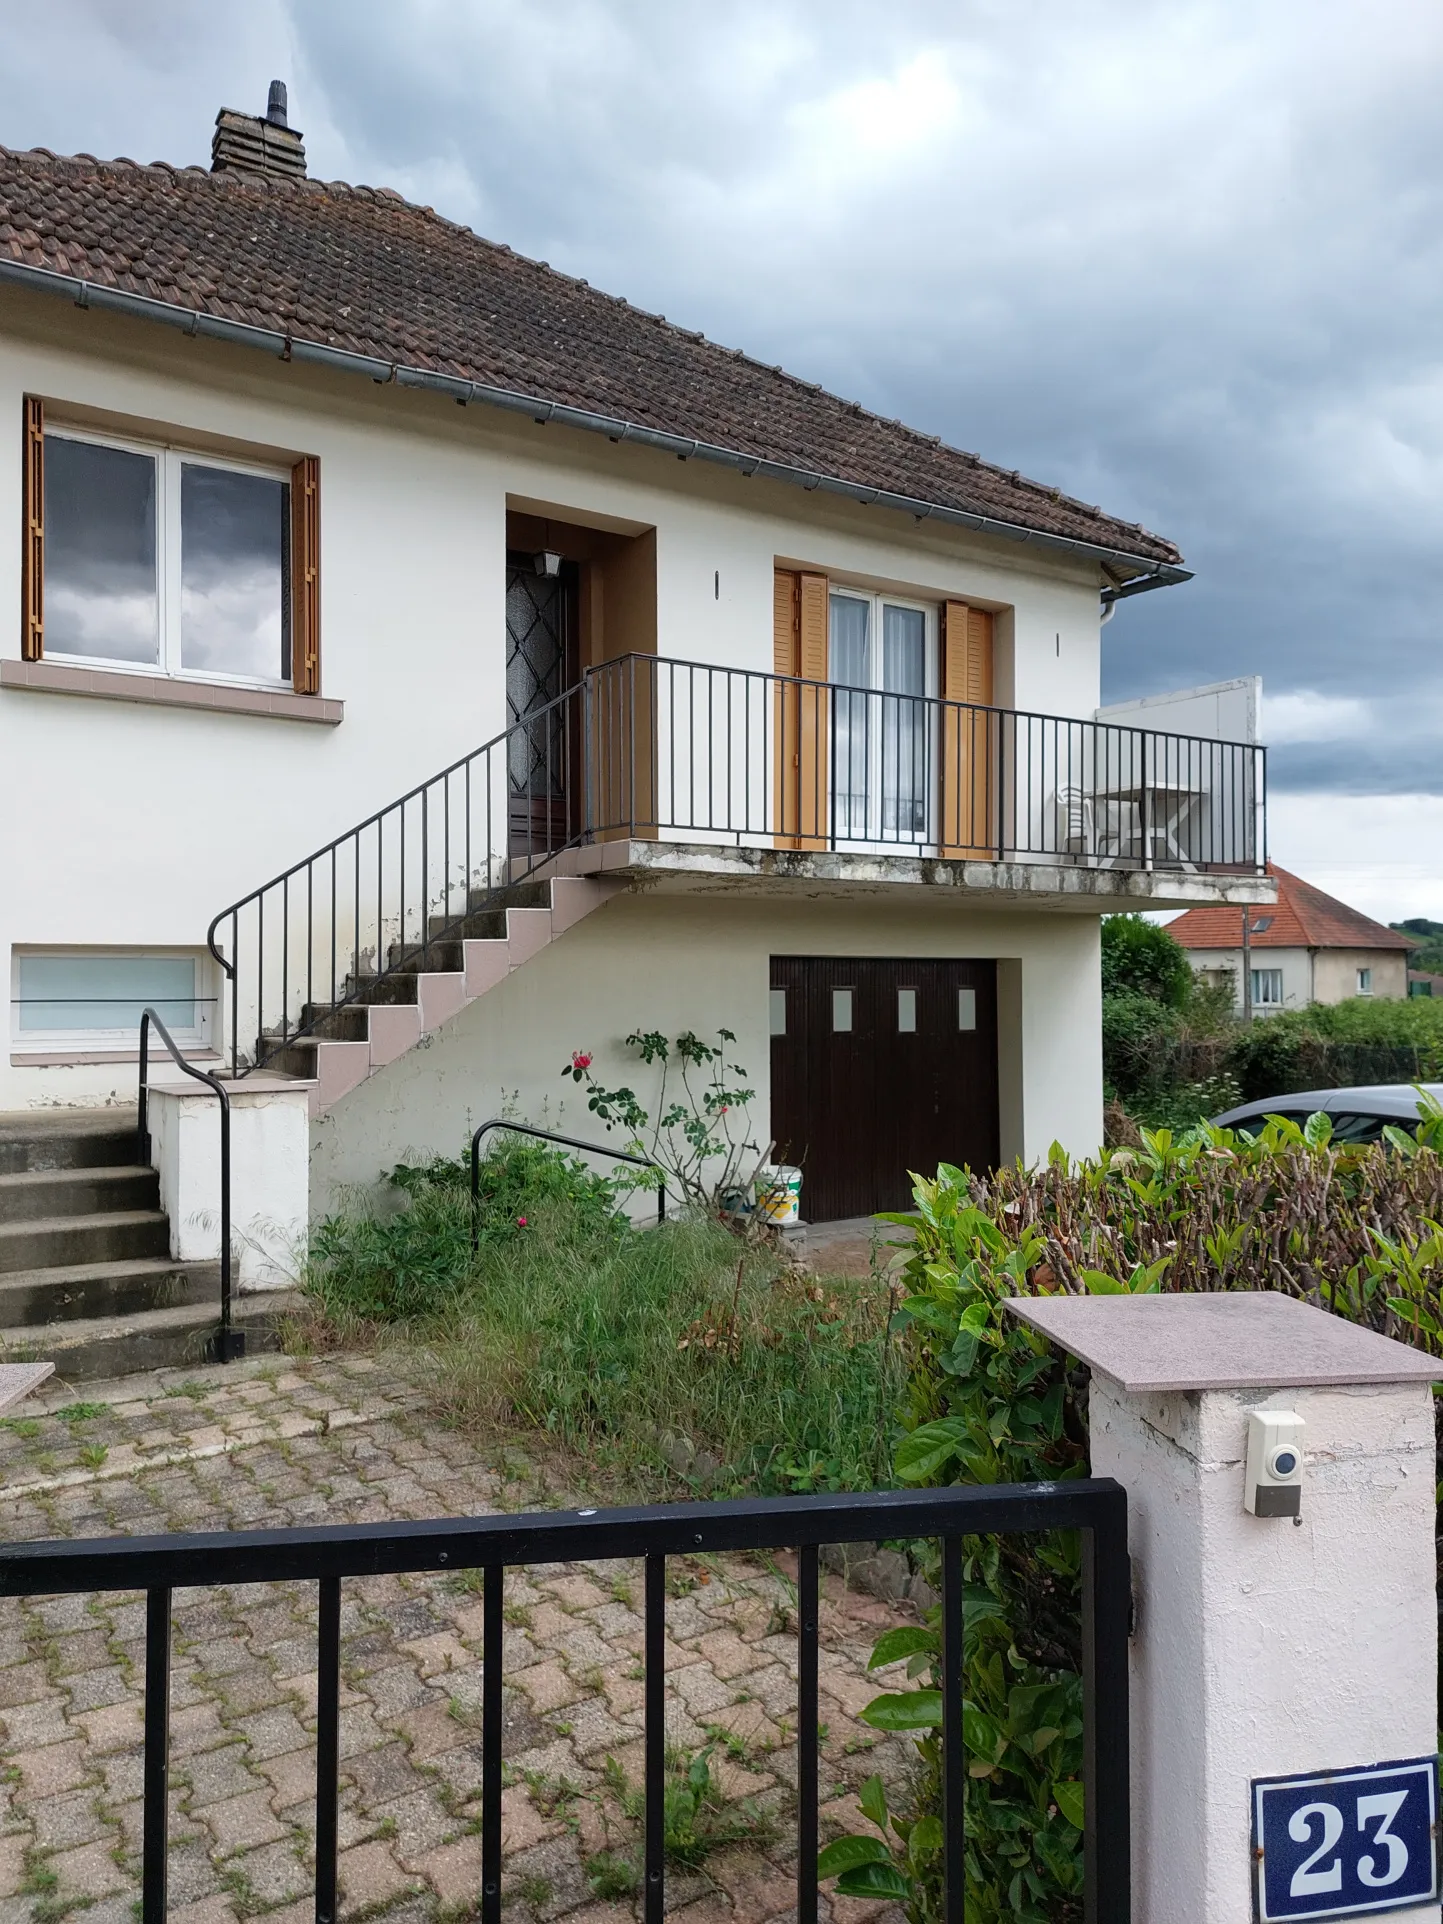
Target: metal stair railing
373	903
230	1343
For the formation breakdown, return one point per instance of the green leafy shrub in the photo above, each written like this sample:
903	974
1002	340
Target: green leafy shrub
382	1265
1354	1229
1140	957
696	1127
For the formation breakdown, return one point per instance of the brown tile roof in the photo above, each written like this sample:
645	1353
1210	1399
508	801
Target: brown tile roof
1304	918
362	270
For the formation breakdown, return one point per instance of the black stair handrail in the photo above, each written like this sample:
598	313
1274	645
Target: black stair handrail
494	757
550	1135
230	1343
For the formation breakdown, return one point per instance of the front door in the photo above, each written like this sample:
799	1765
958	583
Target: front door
541	665
880	1068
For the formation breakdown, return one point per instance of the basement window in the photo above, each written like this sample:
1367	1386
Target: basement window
86	1001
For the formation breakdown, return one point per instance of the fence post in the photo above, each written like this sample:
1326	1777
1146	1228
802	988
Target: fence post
1268	1645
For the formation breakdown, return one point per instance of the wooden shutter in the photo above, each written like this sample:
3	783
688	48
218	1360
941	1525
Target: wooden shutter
970	735
306	576
814	732
786	708
32	554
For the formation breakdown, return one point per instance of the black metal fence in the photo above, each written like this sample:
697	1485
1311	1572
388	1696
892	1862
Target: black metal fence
327	1556
688	749
649	748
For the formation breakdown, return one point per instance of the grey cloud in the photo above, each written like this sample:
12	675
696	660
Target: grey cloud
1182	258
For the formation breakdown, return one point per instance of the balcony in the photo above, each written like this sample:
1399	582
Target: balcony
697	778
685	769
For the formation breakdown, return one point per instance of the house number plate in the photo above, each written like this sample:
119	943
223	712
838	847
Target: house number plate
1345	1843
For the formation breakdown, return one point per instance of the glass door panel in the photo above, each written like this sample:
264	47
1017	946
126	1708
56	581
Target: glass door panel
904	722
850	664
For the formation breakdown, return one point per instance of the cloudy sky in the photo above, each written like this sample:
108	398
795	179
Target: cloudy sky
1182	257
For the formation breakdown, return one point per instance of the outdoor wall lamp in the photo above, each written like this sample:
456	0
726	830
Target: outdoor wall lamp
547	563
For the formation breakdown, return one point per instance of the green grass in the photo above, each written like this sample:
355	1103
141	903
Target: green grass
661	1355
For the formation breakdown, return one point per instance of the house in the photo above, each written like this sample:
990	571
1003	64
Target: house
1307	947
428	664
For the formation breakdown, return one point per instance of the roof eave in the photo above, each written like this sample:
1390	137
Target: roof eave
1144	571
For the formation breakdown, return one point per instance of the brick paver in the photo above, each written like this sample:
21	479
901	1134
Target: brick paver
350	1440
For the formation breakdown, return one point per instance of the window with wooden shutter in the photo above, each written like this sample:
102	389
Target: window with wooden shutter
159	558
971	737
32	555
306	576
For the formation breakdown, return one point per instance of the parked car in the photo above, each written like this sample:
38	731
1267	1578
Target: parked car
1359	1115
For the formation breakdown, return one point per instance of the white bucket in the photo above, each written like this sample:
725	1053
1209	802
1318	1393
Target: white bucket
779	1193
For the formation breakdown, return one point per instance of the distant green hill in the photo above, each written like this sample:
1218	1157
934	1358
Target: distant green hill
1429	937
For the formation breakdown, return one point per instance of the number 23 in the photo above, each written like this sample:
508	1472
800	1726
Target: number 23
1385	1805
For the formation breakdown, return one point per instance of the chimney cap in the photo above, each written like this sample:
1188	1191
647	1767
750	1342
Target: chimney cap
276	104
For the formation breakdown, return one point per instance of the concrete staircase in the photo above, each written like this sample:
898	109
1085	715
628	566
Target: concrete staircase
381	1017
86	1276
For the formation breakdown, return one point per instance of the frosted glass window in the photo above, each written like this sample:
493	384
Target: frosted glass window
966	1008
103	995
779	1011
906	1012
841	1011
100	552
234	599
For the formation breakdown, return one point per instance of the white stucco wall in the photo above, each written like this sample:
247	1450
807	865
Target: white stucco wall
678	962
268	1176
1223	711
1318	975
1263	1648
1296	965
139	823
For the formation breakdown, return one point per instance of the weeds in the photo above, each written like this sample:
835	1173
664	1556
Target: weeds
583	1329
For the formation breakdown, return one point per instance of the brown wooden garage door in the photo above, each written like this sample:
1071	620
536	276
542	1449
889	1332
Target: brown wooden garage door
879	1068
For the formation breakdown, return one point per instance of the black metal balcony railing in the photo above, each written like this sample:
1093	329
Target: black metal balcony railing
691	750
645	748
326	1556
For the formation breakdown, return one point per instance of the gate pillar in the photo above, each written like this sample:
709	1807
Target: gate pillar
1280	1473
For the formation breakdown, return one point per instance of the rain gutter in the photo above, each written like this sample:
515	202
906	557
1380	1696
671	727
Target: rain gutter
1148	573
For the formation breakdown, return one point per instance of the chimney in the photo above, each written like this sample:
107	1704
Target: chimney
246	144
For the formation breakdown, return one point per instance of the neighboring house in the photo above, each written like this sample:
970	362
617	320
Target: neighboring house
1424	982
1308	947
322	495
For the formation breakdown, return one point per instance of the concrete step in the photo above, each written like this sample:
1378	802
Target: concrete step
75	1291
90	1348
109	1236
65	1139
38	1194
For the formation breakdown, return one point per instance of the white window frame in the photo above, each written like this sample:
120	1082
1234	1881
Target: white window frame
1261	1001
121	1043
876	600
1365	982
169	458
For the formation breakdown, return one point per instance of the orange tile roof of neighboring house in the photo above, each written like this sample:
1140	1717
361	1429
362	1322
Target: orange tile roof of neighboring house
1303	918
362	270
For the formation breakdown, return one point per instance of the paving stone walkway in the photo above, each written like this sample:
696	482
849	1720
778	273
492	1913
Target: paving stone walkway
341	1440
